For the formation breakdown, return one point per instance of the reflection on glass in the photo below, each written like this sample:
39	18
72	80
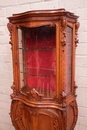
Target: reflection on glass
39	59
68	59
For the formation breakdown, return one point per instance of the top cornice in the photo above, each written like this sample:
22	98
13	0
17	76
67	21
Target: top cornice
42	13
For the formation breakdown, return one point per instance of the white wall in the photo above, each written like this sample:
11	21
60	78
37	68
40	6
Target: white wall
7	8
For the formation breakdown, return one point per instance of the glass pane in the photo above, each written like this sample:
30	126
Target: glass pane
20	57
39	56
68	59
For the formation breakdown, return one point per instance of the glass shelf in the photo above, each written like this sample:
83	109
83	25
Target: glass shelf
37	48
41	75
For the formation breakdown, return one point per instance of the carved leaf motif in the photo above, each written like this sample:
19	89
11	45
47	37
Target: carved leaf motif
76	34
63	31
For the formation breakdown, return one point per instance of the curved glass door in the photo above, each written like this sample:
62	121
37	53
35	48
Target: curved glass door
38	56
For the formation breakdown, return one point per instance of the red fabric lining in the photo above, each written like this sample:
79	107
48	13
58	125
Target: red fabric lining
40	60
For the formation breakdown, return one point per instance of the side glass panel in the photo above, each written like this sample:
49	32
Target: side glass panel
21	63
38	59
68	59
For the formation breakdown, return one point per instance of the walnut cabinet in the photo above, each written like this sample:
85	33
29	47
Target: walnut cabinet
43	52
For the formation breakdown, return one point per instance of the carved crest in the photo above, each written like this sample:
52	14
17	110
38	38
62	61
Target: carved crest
33	95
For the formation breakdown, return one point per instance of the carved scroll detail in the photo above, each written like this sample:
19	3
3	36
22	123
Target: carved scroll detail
75	87
16	115
10	28
63	30
65	119
55	123
76	34
50	113
22	109
75	110
63	99
11	110
14	91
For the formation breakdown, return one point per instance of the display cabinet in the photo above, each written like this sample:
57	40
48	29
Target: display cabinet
43	52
